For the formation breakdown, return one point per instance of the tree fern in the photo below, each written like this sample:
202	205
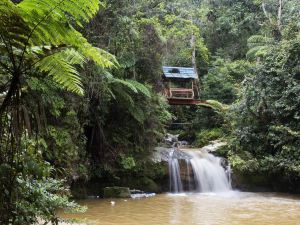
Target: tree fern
61	66
132	85
141	88
124	91
258	46
124	83
215	105
33	28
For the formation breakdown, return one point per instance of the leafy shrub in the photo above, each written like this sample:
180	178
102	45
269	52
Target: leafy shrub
267	116
205	136
127	162
39	199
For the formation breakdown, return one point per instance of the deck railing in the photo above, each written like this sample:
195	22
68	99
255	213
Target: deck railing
179	93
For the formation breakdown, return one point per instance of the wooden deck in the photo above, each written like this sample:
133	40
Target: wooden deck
174	101
181	96
179	93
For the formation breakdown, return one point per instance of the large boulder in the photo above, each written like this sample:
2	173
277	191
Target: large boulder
116	192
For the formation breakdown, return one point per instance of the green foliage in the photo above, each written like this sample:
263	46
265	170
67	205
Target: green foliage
267	124
216	106
228	25
180	26
39	195
127	162
46	40
60	64
258	46
204	137
40	200
244	164
39	39
248	62
223	80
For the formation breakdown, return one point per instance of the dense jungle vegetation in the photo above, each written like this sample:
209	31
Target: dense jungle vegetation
80	98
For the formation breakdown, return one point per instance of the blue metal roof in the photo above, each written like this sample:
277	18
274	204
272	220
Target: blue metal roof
179	72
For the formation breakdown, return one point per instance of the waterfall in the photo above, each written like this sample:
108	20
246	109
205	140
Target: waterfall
228	173
207	170
189	180
174	171
209	174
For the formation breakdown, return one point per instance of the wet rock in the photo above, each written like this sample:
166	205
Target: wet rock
165	154
213	146
170	139
116	192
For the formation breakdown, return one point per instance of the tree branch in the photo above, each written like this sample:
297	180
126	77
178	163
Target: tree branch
279	14
266	13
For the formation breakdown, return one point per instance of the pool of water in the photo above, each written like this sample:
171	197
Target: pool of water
204	209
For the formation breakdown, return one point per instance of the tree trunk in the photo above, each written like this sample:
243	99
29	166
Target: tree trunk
194	64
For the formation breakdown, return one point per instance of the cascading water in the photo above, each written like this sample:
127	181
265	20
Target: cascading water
228	173
174	171
189	180
207	170
209	174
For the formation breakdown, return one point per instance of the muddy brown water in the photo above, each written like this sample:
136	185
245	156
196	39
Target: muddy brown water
230	208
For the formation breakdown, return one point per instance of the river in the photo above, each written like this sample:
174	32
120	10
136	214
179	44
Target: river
228	208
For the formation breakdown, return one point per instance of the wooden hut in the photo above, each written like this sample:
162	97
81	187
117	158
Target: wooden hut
180	85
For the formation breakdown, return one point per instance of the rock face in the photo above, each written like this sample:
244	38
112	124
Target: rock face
165	154
116	192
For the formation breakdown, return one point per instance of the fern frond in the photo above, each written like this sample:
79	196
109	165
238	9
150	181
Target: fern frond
61	67
13	28
259	40
124	83
258	46
137	113
40	33
99	56
258	51
132	85
215	105
123	96
49	23
79	10
140	87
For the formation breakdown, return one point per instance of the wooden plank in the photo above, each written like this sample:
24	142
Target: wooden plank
173	101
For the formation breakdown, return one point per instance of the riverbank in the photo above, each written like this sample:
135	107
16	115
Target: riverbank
63	223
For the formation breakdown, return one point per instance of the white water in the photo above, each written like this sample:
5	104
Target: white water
174	171
188	163
209	174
